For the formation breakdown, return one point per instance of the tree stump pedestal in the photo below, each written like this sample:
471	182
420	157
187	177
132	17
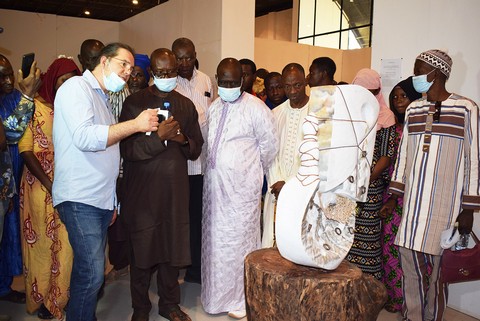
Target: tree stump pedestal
279	290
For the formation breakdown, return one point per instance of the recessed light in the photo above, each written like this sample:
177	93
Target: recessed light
135	1
87	12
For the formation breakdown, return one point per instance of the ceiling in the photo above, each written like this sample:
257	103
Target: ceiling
114	10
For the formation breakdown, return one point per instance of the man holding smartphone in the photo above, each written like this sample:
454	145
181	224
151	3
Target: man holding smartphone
156	189
16	108
87	161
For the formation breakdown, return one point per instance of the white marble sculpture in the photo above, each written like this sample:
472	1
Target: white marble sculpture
315	217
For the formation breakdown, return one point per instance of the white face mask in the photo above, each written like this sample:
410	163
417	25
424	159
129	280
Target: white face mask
229	94
165	84
113	82
421	84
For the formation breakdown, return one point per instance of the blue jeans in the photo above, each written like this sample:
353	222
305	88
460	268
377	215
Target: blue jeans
87	232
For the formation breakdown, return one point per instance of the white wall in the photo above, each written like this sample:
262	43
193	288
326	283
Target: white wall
198	20
403	29
49	35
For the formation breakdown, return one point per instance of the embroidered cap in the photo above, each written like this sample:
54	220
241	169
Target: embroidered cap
437	59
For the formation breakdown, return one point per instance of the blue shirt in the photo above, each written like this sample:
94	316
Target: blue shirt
85	168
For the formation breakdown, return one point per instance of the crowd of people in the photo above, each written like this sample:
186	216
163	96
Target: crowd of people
149	154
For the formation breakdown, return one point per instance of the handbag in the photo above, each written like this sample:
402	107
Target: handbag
462	265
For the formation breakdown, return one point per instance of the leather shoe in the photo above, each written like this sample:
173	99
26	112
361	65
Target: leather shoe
173	313
240	314
14	296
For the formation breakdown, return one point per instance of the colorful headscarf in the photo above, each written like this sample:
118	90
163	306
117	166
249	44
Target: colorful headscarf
412	95
370	79
143	62
437	59
58	68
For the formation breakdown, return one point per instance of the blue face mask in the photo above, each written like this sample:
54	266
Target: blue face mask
421	84
113	82
229	94
165	84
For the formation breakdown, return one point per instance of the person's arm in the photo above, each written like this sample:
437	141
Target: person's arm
145	122
34	166
76	103
3	139
470	197
266	135
16	123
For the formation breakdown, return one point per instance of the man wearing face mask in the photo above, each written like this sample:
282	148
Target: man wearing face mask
241	145
156	189
437	174
87	159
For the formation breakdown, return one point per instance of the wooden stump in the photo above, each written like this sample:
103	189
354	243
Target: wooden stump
279	290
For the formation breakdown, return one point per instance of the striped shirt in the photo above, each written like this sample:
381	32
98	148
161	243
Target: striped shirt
199	90
439	181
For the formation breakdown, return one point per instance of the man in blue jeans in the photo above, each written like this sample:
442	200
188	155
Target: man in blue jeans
87	160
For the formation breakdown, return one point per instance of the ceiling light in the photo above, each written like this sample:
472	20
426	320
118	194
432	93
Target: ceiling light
135	1
87	12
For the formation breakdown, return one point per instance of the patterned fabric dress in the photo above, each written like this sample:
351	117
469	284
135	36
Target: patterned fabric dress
366	251
392	278
46	250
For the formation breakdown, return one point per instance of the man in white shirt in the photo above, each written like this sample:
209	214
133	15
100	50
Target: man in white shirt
87	161
196	86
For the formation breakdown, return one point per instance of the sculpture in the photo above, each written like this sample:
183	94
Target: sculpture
315	217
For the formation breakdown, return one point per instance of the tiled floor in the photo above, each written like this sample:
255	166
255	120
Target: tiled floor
115	305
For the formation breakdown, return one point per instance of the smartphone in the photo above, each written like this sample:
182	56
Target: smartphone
27	62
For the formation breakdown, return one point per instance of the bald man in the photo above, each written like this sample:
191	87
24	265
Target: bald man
89	53
241	144
155	189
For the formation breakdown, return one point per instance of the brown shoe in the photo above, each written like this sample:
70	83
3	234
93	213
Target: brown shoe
173	313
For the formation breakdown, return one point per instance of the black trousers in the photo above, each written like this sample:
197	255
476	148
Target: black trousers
167	286
195	208
118	249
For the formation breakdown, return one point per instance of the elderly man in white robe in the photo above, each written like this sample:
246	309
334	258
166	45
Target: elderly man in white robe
241	145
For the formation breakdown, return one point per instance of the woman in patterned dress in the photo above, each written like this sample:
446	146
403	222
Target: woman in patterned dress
366	251
47	254
400	97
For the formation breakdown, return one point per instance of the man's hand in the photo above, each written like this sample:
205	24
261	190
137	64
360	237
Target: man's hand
30	85
114	217
387	208
276	188
169	130
465	221
147	121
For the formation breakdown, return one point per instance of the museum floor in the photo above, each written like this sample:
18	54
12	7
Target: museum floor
115	305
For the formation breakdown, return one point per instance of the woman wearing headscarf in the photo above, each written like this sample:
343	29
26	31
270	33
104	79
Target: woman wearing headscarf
400	97
47	254
366	251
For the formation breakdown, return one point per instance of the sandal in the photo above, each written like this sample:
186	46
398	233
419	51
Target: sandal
14	296
174	313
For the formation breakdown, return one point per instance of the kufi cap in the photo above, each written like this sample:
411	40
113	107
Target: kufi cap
437	59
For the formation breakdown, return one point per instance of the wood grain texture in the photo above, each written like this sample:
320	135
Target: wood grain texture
279	290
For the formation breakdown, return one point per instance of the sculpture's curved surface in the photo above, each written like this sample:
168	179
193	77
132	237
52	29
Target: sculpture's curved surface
315	216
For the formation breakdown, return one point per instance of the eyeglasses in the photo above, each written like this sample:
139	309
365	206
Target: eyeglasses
125	64
164	73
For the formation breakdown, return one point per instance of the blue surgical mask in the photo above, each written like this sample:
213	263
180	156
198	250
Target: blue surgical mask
165	84
229	94
113	82
421	84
